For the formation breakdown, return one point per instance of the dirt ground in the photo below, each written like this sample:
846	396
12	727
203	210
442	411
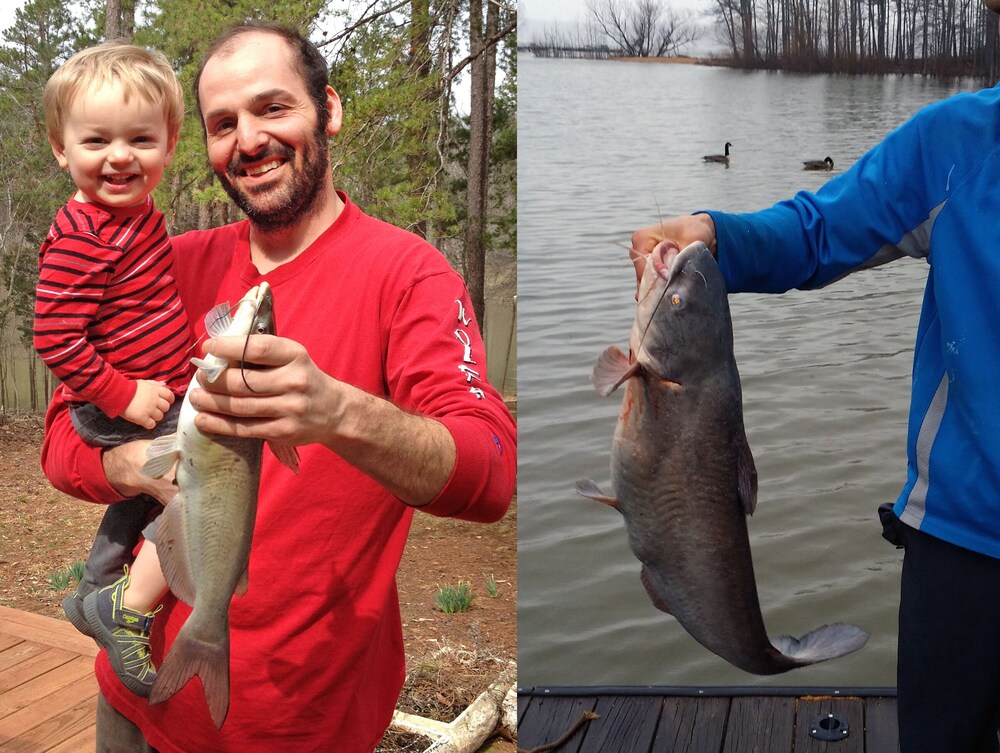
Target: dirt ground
451	658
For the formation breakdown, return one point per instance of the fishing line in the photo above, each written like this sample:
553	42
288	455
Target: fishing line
246	344
652	316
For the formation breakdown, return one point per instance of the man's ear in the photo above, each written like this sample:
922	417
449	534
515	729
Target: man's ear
335	111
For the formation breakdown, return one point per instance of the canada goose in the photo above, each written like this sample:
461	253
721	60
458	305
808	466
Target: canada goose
723	158
818	164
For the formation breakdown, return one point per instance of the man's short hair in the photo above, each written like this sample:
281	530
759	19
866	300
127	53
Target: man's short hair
141	72
309	61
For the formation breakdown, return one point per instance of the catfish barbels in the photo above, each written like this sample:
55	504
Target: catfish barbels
204	533
681	468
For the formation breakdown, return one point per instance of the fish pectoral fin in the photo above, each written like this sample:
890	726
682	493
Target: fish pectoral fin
587	488
242	584
612	370
212	371
172	550
746	477
161	455
287	455
646	576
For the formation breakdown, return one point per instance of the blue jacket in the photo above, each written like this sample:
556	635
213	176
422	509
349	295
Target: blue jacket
931	190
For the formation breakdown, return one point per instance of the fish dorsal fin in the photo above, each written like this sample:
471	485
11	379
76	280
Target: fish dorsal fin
161	455
218	320
612	370
746	475
172	549
587	488
287	455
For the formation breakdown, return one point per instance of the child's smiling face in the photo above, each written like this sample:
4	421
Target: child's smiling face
116	151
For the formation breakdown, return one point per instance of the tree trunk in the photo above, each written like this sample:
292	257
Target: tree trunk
480	135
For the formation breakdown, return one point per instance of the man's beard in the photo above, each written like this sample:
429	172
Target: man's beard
289	203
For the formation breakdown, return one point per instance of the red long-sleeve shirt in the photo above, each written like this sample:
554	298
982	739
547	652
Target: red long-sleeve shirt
107	310
316	643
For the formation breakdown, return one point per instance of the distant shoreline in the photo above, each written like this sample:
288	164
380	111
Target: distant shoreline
676	59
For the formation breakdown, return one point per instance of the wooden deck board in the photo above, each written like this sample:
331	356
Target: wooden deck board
695	720
47	687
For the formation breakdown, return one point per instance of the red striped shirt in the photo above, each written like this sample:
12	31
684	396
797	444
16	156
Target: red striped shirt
107	311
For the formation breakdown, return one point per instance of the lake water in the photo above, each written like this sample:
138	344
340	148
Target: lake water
605	148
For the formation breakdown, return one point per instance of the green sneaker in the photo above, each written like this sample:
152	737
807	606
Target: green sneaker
124	634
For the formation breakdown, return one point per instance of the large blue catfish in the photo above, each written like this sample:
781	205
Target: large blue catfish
683	476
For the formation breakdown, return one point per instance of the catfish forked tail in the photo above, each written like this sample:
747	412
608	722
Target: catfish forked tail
190	656
823	643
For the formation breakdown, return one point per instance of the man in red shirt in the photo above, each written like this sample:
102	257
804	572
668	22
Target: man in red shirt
371	377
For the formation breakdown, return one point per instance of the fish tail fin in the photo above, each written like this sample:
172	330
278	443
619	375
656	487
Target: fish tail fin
827	642
190	656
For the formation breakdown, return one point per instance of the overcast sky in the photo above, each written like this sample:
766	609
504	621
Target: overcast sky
7	9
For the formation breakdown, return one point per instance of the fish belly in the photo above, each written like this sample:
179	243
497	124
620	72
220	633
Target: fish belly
674	475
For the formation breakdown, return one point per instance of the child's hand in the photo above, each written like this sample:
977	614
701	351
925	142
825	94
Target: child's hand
150	402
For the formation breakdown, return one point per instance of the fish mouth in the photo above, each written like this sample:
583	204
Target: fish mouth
261	300
664	258
669	259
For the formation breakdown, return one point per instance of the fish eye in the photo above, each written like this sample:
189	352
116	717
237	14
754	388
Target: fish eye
675	299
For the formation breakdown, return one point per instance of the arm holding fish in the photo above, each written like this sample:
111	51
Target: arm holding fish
293	402
441	440
91	473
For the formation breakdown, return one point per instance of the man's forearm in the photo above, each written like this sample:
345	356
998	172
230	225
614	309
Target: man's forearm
412	456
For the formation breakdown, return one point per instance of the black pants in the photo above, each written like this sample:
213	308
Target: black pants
948	670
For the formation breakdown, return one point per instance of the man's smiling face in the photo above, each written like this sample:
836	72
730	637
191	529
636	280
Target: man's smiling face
262	131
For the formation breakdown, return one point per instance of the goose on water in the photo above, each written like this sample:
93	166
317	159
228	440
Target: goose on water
723	158
818	164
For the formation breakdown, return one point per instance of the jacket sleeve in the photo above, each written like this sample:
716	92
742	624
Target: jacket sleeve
436	366
880	209
72	466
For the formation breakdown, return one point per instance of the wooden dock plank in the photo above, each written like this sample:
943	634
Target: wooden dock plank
17	725
84	741
697	720
550	718
814	714
758	724
40	662
42	685
48	692
73	723
19	652
624	725
689	724
881	730
46	631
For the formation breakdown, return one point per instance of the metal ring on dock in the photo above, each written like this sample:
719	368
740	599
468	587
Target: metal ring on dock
829	727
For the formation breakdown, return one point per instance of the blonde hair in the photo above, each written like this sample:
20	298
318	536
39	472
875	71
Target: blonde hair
141	73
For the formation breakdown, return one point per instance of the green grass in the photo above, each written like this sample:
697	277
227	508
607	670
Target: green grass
452	599
62	579
491	586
